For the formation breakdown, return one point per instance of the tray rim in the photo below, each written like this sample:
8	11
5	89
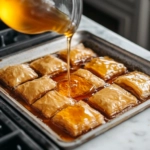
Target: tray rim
91	134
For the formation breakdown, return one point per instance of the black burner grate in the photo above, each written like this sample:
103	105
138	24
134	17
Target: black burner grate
16	133
12	41
14	138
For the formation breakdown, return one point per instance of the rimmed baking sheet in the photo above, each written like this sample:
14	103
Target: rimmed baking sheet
102	48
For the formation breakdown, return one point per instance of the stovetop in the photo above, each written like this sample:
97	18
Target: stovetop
16	132
12	41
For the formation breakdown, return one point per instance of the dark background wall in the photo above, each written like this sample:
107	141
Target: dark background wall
129	18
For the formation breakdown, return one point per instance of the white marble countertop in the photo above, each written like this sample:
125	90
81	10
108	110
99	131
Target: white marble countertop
133	134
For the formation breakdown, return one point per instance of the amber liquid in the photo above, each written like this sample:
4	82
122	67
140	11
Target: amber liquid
37	16
68	64
34	16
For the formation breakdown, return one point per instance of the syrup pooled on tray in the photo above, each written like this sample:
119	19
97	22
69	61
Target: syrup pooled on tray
78	86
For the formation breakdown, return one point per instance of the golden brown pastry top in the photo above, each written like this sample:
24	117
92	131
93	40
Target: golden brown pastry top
78	119
112	100
17	74
105	67
33	90
136	82
51	103
78	54
49	65
96	81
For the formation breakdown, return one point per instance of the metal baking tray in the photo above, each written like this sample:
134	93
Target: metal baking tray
102	48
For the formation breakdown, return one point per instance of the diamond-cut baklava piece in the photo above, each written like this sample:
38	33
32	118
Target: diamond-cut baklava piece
78	54
105	67
112	100
78	86
49	65
137	83
96	81
78	119
51	103
17	74
33	90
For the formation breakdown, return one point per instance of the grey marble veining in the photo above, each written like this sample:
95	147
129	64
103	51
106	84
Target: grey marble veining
133	134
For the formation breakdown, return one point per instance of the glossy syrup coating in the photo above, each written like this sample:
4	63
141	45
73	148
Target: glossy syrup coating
78	54
78	86
105	67
51	103
96	81
137	83
13	76
33	90
49	65
78	119
112	100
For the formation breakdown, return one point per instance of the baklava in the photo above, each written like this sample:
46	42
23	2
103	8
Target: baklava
96	81
15	75
112	100
51	103
137	83
78	86
78	54
105	67
78	119
33	90
49	65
